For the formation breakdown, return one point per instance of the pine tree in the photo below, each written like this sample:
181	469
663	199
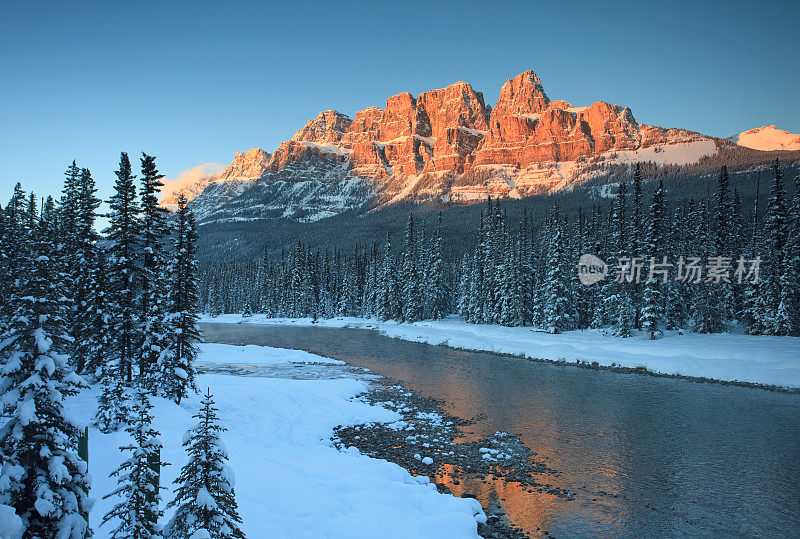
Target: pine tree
752	305
205	497
617	291
112	404
410	276
436	283
389	303
723	245
183	333
153	267
776	232
66	256
653	301
708	313
123	270
637	242
788	311
83	266
557	291
136	514
15	252
98	323
42	476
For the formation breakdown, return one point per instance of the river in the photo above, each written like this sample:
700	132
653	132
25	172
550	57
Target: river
645	456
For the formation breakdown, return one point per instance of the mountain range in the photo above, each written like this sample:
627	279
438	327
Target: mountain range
447	145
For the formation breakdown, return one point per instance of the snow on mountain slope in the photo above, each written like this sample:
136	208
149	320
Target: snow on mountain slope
448	145
767	138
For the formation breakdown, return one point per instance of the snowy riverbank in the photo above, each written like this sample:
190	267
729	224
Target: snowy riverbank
758	359
290	479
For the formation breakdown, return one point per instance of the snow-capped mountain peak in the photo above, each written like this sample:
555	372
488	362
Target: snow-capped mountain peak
767	138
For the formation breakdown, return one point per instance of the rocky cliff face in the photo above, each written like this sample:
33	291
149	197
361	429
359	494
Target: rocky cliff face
444	144
247	166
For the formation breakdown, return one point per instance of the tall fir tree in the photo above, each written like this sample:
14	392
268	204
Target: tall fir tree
205	497
83	270
42	476
153	269
124	236
775	228
557	290
410	276
183	333
653	297
787	319
137	511
98	322
753	315
724	245
15	252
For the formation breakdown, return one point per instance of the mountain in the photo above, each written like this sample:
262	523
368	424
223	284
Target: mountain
767	138
445	146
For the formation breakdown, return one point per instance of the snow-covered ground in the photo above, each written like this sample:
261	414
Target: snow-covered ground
759	359
290	480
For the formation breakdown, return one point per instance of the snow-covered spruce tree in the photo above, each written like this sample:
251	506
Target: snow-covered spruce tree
675	309
752	306
557	291
112	404
724	243
409	277
704	315
616	291
775	239
787	318
177	377
83	265
151	277
15	256
123	268
737	249
510	300
136	513
637	239
97	338
437	285
65	255
113	401
42	476
653	298
205	497
388	300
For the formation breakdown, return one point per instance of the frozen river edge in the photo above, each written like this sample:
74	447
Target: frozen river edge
757	361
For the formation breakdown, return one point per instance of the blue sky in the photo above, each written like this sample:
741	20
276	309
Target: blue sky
193	83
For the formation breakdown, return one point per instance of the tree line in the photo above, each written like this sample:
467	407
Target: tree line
713	269
118	310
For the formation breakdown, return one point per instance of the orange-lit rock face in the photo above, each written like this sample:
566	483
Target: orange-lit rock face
442	135
250	164
399	117
329	126
457	105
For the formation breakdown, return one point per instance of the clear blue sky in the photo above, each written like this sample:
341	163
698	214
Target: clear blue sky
195	82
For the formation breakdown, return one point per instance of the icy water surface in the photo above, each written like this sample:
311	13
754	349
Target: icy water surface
644	456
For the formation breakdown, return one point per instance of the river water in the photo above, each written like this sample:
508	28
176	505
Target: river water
645	456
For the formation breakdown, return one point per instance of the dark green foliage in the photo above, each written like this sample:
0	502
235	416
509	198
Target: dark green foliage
205	498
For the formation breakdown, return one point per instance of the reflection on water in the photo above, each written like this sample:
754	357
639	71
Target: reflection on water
526	509
644	455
